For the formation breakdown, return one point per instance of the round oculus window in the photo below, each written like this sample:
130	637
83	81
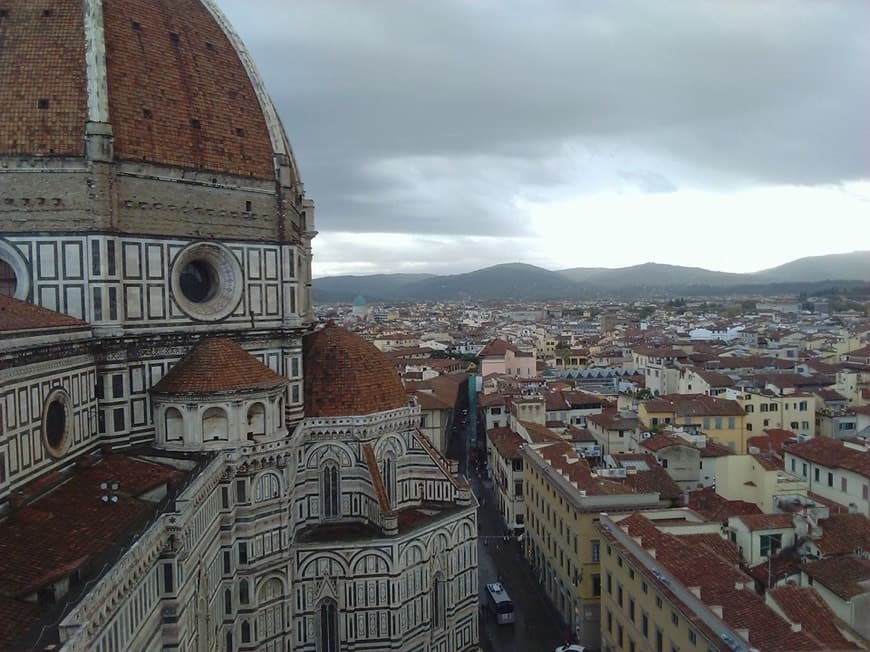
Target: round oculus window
14	272
56	421
206	281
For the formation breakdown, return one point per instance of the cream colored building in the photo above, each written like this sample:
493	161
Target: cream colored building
757	479
795	412
564	499
670	583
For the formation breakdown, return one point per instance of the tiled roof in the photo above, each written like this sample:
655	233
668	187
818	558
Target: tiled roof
847	577
18	315
43	58
843	534
498	347
506	442
217	365
718	579
654	479
16	619
538	433
802	604
71	528
834	454
694	405
180	66
377	479
168	65
772	440
562	457
346	375
714	507
661	441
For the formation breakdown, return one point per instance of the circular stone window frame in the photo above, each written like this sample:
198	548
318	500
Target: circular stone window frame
226	272
58	395
12	257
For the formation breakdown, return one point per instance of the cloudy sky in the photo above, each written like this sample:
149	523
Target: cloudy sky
451	135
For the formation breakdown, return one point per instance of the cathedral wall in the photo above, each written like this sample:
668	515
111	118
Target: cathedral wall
26	392
126	282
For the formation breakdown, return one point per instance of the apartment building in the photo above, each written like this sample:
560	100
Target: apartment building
718	418
795	412
563	499
672	583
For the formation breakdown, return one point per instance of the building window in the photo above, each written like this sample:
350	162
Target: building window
596	585
770	543
439	602
830	479
389	473
644	625
843	484
328	616
675	620
816	474
693	637
246	631
596	551
330	492
268	486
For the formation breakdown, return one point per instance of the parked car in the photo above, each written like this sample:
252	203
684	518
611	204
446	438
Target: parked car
571	647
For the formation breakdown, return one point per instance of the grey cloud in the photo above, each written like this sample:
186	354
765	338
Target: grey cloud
484	93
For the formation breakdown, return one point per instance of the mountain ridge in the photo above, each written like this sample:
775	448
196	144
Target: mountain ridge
521	281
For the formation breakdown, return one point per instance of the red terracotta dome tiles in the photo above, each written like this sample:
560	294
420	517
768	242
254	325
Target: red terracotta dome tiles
346	375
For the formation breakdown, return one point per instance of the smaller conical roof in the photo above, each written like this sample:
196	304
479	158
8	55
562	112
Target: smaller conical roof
217	365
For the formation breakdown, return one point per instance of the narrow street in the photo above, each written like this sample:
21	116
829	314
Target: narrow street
537	626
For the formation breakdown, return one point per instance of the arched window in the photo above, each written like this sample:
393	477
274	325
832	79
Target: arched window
439	602
228	602
229	642
328	627
246	631
330	492
388	471
174	423
268	487
256	420
215	424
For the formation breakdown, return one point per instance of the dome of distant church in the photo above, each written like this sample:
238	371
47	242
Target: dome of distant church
346	375
360	302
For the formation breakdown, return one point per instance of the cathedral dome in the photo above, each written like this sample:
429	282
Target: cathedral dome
171	78
346	375
165	94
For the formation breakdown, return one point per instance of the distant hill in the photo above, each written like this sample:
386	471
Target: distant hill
509	281
651	275
852	266
377	287
519	281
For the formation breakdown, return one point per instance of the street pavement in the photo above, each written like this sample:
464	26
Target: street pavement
537	625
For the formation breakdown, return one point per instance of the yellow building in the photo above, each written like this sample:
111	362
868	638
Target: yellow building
795	412
671	583
563	499
720	419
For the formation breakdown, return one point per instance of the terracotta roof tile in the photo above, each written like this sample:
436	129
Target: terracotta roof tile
217	365
834	454
68	528
843	534
802	604
346	375
43	97
714	507
167	76
18	315
845	576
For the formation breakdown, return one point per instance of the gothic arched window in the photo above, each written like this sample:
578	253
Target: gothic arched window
439	602
389	475
330	492
327	640
268	486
